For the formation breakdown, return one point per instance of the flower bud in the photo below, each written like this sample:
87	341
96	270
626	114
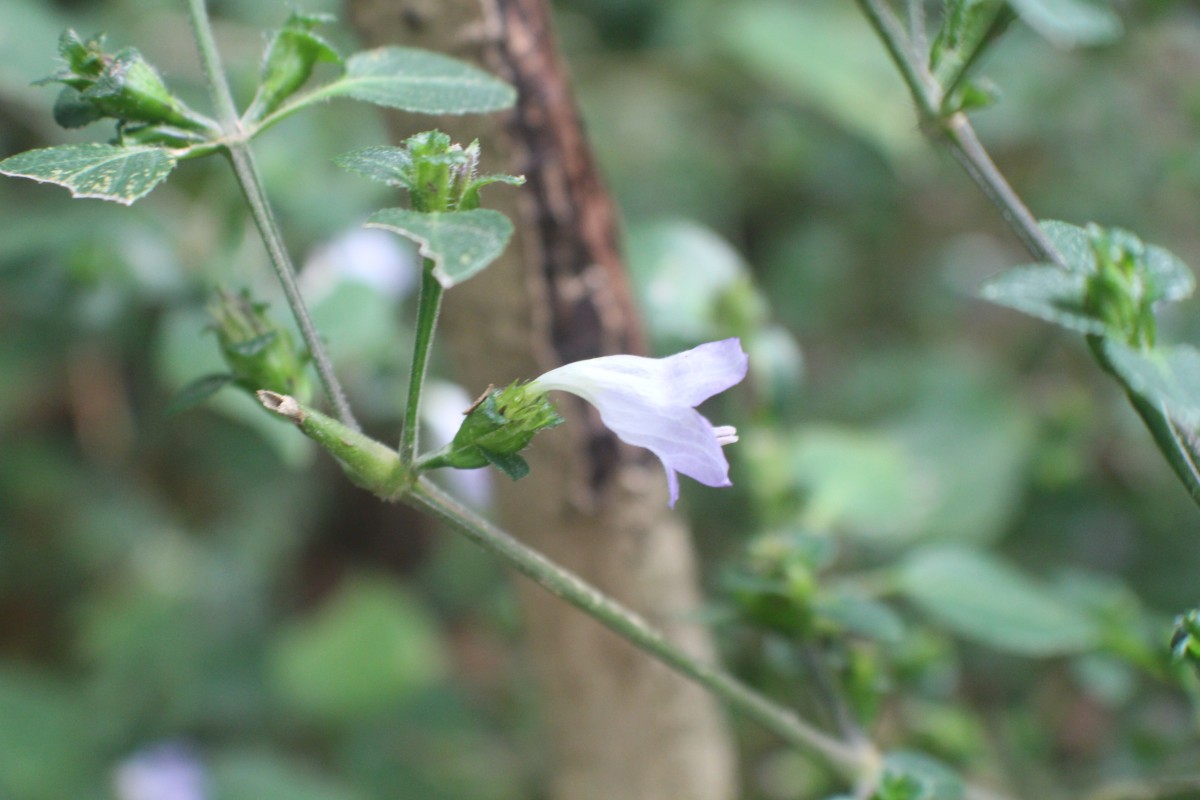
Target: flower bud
260	353
496	429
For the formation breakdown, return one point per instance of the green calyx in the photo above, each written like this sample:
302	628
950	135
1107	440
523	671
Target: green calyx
495	430
438	174
122	85
1121	293
260	353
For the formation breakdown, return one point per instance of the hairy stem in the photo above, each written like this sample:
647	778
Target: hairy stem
853	761
236	142
428	307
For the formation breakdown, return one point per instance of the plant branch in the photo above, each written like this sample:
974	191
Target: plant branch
242	158
956	131
916	26
1172	438
963	142
210	60
428	307
852	761
921	85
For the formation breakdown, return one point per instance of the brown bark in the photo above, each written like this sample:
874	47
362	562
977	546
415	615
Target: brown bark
620	724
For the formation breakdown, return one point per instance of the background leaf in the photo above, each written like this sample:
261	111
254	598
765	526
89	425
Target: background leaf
420	81
937	781
104	171
980	597
460	243
1070	23
366	649
266	776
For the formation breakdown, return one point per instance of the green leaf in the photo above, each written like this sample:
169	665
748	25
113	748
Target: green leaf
860	481
1047	292
1073	242
383	163
460	243
1070	23
268	776
420	81
982	598
366	649
1170	278
197	392
932	779
860	614
104	171
1168	375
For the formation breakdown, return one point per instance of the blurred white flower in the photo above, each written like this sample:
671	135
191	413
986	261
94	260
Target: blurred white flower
167	771
366	255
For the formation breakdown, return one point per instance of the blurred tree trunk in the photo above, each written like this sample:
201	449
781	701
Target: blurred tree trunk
621	726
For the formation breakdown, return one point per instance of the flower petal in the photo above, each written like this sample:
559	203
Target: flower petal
697	374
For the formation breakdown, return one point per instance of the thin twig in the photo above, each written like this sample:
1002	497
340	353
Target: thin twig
916	27
428	306
851	760
236	142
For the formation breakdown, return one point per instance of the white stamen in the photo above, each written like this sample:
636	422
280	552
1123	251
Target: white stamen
726	434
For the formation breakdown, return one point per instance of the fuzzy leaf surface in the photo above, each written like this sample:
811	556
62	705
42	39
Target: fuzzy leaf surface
420	81
104	171
1070	23
460	243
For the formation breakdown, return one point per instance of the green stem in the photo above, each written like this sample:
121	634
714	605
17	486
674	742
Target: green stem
965	145
1172	438
236	142
210	59
956	132
921	85
296	103
852	761
428	307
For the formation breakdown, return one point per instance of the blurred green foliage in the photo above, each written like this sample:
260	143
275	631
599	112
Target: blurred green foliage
1001	549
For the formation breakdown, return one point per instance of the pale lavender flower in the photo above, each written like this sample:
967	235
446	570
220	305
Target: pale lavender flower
165	771
650	402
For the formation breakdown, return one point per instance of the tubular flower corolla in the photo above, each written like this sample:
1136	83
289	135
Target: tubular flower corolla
650	402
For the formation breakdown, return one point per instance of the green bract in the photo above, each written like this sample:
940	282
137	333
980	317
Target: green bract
123	86
288	62
438	175
1111	284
